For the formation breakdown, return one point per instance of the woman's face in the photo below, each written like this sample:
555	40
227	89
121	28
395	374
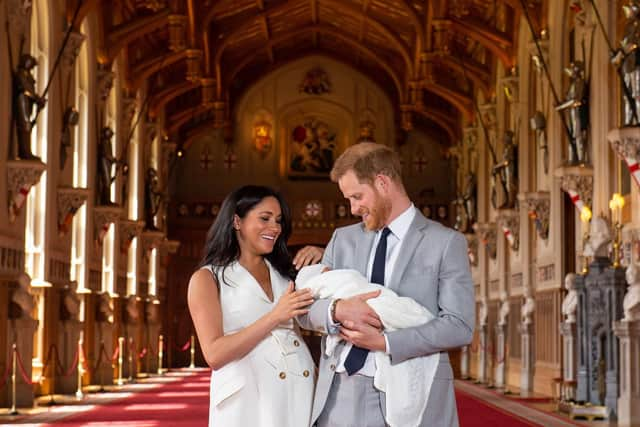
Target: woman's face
260	228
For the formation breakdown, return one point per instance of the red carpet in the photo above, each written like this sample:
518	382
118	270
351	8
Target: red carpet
475	413
181	403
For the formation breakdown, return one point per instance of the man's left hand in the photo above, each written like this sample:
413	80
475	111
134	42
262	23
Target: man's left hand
363	335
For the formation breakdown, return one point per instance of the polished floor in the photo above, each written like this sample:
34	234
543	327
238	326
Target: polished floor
180	398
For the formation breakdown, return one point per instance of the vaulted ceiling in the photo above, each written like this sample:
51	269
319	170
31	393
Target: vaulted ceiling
199	56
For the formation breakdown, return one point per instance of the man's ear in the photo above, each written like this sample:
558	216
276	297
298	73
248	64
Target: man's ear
382	183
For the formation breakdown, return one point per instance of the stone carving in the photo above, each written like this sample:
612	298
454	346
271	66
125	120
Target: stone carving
104	84
22	302
131	310
69	201
69	120
103	216
488	236
570	301
72	49
483	312
22	175
528	308
152	199
631	302
104	308
128	231
599	239
503	312
539	205
70	307
577	181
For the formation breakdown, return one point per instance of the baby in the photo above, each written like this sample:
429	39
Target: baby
406	384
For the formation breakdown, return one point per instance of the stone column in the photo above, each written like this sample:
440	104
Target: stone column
568	332
68	336
628	333
526	370
499	368
464	363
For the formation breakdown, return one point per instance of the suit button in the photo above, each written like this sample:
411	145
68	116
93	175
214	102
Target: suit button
332	367
296	343
305	373
282	375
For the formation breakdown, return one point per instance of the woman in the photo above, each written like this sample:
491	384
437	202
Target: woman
242	303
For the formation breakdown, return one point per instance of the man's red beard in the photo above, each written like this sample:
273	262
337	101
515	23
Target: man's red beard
377	216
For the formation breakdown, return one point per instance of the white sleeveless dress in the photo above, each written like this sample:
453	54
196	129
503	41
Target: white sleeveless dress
273	385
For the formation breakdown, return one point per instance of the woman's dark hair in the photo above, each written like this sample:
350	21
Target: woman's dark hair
222	248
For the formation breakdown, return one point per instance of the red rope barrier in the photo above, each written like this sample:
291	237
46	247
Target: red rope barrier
23	372
6	374
186	346
143	353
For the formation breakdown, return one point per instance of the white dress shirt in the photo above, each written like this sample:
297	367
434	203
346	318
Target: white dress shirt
399	228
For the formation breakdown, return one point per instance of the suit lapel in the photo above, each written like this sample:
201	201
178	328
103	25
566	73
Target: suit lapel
408	248
363	250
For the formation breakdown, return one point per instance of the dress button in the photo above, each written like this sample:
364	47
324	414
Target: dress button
332	367
296	343
305	373
282	375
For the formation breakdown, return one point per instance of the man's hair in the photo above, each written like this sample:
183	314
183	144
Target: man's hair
366	160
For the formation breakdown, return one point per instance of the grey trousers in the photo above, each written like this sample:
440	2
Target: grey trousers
353	402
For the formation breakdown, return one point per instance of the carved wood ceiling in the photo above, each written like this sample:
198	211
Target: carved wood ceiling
199	56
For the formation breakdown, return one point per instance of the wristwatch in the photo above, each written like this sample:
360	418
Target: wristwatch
332	311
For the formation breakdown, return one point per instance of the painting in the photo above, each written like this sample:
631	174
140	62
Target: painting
312	149
315	82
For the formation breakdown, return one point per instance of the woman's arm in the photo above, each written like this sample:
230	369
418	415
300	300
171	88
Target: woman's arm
219	349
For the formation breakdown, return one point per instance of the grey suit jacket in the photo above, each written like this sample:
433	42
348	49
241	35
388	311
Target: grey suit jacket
433	269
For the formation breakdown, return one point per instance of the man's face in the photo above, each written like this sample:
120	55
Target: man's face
366	201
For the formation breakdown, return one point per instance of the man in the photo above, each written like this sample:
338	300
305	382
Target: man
397	246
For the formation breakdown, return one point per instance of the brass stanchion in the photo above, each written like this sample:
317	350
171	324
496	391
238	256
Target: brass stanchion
130	359
79	393
120	350
14	362
160	351
193	352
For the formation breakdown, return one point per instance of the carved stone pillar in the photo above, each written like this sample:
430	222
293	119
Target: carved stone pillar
509	222
177	27
153	323
568	332
538	204
483	319
628	333
464	363
527	358
21	176
69	201
68	336
472	249
500	365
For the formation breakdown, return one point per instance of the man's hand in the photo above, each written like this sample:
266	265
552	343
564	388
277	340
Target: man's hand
307	256
364	336
357	311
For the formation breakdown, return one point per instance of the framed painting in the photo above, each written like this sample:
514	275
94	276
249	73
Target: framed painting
312	149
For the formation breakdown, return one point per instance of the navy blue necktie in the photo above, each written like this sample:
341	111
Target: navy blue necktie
357	355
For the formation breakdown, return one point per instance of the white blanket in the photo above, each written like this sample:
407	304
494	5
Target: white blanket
406	384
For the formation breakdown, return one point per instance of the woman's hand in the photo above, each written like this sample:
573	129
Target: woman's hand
307	256
291	304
